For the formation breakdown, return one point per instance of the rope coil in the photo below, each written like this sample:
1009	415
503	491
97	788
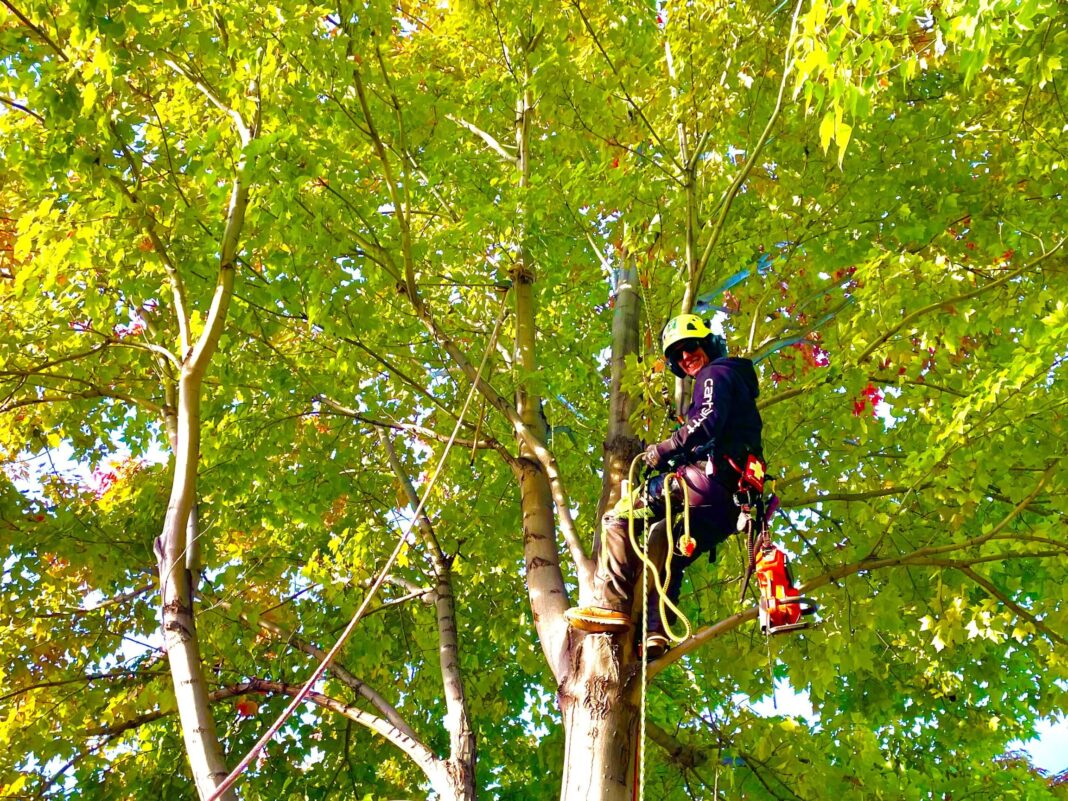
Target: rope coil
642	550
663	600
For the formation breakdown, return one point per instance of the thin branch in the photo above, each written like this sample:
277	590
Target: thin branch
941	304
60	360
181	303
7	101
626	94
894	382
750	162
416	750
396	371
344	411
461	735
151	347
388	711
490	141
997	594
126	675
243	131
95	392
810	500
994	532
36	29
391	184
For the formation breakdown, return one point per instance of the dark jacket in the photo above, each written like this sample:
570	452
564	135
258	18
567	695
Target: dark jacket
722	420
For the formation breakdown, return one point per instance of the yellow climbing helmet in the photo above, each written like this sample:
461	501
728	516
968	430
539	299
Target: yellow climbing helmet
693	328
685	326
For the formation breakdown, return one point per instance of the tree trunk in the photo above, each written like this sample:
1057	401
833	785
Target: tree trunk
600	716
176	552
176	598
621	444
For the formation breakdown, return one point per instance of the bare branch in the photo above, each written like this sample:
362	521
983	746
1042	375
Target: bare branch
7	101
490	141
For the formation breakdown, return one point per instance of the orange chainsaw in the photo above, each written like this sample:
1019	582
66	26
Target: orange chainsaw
781	604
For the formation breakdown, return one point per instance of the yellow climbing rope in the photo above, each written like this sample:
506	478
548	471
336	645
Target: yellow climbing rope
663	600
643	553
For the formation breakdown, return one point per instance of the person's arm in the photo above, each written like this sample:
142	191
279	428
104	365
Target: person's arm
705	417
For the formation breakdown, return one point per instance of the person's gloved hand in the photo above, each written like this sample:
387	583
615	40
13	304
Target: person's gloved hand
651	457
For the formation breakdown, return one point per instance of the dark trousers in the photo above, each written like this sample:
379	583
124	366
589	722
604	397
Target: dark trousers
713	518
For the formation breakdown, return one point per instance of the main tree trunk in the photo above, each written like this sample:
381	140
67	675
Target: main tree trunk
598	704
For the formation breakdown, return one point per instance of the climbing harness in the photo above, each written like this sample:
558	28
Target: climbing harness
781	605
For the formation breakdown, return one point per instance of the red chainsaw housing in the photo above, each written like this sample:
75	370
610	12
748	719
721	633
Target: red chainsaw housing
776	590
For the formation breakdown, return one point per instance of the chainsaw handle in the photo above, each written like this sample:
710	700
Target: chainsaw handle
808	606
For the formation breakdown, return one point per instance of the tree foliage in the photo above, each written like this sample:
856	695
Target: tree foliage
868	196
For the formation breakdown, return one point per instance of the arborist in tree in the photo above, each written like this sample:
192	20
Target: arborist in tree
708	452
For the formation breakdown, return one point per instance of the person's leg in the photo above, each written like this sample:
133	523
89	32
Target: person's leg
673	585
618	567
618	564
713	518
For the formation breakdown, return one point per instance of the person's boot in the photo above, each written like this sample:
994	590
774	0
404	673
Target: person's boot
597	619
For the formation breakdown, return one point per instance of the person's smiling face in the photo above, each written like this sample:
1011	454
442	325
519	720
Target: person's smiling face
691	357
